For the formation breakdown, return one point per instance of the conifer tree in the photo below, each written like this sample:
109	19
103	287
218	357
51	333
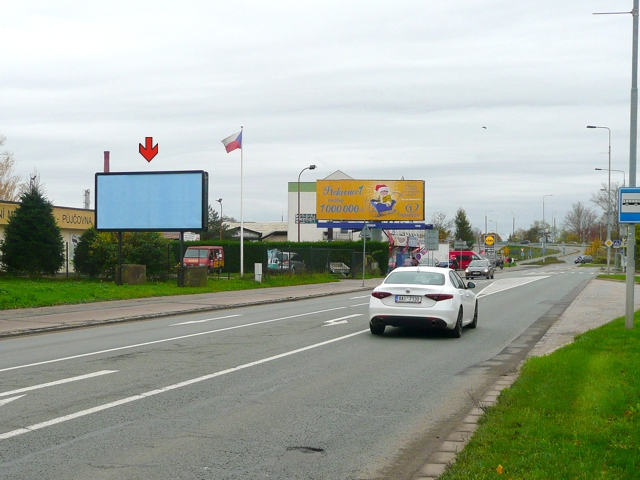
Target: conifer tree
463	228
32	241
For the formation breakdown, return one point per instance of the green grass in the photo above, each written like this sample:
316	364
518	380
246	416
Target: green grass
574	414
25	293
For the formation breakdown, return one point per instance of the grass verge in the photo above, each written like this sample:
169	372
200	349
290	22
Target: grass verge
25	293
574	414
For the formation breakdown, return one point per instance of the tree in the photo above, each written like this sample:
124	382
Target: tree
463	229
32	241
97	252
214	222
601	199
443	227
9	183
580	221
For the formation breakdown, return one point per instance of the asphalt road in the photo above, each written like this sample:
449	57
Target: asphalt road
293	390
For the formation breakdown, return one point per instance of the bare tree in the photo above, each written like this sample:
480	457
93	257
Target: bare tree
9	183
443	227
601	199
580	221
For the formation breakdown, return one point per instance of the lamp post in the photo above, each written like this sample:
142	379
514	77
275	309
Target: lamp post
553	232
310	167
496	230
513	228
485	221
220	202
608	202
544	233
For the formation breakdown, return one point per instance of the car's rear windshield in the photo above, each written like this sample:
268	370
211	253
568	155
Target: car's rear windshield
415	278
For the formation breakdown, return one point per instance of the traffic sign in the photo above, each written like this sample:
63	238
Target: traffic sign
617	243
608	243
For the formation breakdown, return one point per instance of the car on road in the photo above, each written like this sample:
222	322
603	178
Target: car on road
428	298
480	268
586	259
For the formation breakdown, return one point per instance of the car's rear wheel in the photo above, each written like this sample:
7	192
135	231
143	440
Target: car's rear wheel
457	330
474	322
376	329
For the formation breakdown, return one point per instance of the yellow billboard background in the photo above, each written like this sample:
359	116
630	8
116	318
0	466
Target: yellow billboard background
67	218
369	200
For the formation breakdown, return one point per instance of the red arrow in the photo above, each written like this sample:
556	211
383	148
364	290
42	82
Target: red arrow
147	151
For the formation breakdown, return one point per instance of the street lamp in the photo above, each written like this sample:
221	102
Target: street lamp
513	228
544	233
553	234
485	221
624	174
310	167
220	202
608	203
496	230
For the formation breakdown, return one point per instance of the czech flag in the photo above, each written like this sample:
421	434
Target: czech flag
232	142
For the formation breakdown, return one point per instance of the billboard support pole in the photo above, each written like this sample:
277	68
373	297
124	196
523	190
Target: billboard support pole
119	267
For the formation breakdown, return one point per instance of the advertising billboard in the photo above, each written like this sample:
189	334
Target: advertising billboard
389	200
152	201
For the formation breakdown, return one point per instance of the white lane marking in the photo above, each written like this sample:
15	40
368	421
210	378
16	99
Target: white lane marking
141	396
506	284
337	321
8	400
144	344
58	382
359	304
363	296
205	320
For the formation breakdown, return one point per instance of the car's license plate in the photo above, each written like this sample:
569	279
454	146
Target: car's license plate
408	299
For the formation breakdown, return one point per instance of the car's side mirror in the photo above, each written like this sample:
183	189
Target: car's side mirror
471	285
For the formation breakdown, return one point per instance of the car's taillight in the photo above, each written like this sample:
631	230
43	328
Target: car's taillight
380	295
439	296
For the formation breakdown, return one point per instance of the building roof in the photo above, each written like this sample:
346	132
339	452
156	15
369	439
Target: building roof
262	229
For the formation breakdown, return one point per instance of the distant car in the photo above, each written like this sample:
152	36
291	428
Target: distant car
285	262
525	242
423	298
480	268
448	264
578	259
429	262
586	259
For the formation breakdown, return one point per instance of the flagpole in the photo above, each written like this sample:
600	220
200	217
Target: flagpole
241	213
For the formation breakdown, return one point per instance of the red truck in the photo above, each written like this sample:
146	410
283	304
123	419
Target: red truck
204	256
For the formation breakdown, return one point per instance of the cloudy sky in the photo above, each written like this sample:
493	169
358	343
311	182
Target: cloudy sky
379	90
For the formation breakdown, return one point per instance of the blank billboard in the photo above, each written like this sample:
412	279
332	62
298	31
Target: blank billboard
152	201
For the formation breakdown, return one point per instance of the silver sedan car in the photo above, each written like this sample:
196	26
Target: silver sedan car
425	298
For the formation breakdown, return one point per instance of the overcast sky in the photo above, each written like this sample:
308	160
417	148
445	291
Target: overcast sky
379	90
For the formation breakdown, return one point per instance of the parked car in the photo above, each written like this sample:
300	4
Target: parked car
285	262
429	262
423	298
480	268
204	256
448	264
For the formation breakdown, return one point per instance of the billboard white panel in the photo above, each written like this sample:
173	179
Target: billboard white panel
152	201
